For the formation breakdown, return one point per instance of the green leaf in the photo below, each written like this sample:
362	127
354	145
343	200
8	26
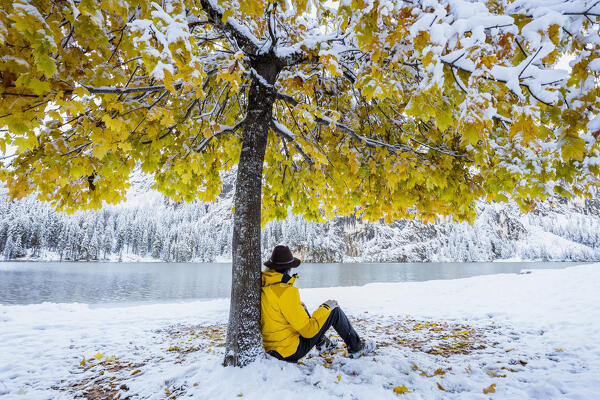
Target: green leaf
17	126
573	148
45	64
470	134
37	86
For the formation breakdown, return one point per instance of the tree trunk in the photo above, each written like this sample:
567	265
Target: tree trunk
244	340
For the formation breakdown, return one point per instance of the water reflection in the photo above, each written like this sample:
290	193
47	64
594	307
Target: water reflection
27	282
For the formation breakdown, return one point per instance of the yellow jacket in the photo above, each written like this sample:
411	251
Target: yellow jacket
283	319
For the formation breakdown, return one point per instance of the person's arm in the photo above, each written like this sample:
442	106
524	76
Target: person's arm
296	315
305	309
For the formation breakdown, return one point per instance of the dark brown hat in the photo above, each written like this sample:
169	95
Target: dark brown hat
282	258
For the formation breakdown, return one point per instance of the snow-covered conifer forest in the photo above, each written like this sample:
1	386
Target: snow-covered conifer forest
148	226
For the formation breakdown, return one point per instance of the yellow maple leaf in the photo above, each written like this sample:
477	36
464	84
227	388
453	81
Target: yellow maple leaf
573	148
401	390
125	146
100	151
490	389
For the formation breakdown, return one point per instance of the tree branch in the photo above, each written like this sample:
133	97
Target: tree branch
229	129
448	153
185	117
247	42
126	90
586	12
452	64
270	22
79	148
286	136
392	148
19	94
458	82
9	156
298	58
529	63
287	98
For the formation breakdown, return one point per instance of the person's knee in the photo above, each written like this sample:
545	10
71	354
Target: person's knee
335	314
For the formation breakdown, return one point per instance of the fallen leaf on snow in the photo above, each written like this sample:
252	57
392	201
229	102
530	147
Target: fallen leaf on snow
490	389
401	390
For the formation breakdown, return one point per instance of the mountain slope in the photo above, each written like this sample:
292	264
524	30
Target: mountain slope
149	226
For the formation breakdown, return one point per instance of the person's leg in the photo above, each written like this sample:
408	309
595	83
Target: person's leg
306	344
303	348
337	318
343	327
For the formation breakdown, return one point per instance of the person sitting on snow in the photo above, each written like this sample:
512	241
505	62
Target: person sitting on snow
289	331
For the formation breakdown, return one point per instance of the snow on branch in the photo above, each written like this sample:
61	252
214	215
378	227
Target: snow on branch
474	37
260	78
126	90
525	74
282	131
287	98
242	36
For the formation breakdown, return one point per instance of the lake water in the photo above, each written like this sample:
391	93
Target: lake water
115	283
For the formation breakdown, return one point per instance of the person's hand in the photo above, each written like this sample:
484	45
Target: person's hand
331	304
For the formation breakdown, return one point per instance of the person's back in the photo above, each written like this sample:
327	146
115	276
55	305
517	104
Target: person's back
282	320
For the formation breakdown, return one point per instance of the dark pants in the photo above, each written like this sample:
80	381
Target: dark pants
342	326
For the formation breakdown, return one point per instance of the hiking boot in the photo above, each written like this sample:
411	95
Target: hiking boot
363	348
326	344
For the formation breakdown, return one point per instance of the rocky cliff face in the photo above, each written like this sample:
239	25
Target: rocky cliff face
558	230
149	226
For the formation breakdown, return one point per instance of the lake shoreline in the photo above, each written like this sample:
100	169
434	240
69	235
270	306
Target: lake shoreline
224	261
23	282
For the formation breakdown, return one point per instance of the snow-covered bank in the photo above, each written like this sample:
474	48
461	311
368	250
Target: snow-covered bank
531	335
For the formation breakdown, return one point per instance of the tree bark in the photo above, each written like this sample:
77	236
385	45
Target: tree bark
244	339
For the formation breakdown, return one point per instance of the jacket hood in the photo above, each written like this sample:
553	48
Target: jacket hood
272	277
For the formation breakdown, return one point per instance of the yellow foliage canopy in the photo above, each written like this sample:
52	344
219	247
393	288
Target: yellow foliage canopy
383	109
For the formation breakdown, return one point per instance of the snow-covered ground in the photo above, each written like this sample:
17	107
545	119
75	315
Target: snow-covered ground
527	336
